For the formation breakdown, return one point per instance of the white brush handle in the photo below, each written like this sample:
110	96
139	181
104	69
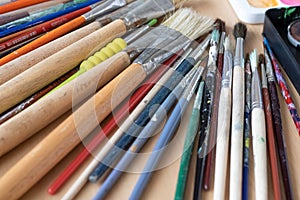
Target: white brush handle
223	133
83	178
237	129
259	143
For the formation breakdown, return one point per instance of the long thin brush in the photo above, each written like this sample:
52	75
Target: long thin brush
223	129
167	133
54	145
279	135
237	124
270	131
259	139
18	4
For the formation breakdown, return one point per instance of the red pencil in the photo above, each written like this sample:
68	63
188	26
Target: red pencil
111	125
42	28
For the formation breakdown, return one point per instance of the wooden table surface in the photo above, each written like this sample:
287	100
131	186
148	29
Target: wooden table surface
163	182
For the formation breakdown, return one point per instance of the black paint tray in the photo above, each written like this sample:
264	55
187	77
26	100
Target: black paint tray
275	30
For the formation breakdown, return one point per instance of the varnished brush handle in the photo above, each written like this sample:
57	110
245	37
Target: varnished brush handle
18	65
260	153
46	71
43	157
47	109
237	128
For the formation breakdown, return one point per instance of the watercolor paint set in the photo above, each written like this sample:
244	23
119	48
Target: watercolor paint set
253	11
282	28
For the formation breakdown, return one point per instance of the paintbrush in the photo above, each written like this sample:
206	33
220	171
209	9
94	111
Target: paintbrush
23	12
83	178
63	102
143	137
74	53
17	5
270	131
258	127
279	135
283	86
166	135
144	117
102	9
194	124
223	129
237	120
68	134
247	129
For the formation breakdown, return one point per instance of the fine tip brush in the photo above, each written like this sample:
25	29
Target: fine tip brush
258	128
237	122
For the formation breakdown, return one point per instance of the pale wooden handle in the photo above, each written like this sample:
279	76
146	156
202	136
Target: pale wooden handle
259	143
237	128
223	133
46	71
47	109
19	65
21	177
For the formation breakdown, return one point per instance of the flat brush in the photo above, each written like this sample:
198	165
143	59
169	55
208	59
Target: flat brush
270	131
237	119
166	135
259	139
73	129
223	129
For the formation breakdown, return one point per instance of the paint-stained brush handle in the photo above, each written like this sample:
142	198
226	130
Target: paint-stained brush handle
18	65
46	71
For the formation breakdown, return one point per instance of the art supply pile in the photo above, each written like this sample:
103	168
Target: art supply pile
113	71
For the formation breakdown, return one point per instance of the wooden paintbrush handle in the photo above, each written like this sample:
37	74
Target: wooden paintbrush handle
18	65
223	133
47	109
237	128
46	71
43	157
260	153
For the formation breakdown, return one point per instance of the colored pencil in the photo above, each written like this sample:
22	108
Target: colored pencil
237	120
247	129
284	88
166	135
143	137
110	126
223	131
18	4
43	28
279	134
192	131
215	102
258	127
270	131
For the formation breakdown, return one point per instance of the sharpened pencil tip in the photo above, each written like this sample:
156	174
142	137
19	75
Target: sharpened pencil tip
240	30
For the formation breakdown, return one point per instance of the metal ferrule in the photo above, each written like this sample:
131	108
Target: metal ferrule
198	52
256	94
149	10
269	69
264	83
189	91
227	70
130	38
103	8
239	53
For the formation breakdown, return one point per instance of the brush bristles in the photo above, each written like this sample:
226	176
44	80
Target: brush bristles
222	26
189	23
228	43
240	30
253	60
261	59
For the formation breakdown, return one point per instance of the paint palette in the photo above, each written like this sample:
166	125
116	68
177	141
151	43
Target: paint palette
276	26
253	11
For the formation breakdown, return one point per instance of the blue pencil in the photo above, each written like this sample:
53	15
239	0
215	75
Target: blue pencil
126	140
143	137
166	135
47	18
